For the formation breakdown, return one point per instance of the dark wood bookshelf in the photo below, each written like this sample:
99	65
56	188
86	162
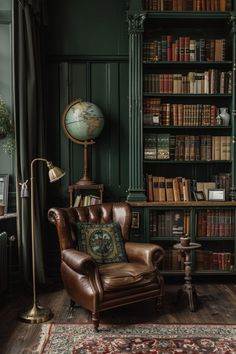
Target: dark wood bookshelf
146	26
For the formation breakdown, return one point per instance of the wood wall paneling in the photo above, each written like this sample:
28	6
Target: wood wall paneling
104	83
87	27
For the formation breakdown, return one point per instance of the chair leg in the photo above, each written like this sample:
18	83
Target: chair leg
159	303
95	320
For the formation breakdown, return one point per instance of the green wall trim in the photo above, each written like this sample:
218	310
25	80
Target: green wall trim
88	58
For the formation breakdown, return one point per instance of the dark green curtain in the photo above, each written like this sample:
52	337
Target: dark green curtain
28	28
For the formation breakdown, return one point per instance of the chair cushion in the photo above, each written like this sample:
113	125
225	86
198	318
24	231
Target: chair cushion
104	242
119	276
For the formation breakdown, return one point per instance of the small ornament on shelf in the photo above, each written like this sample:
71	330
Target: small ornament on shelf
223	117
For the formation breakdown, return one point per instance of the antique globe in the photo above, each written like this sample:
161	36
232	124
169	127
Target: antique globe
82	123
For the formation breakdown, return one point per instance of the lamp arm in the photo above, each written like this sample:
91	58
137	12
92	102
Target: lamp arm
32	203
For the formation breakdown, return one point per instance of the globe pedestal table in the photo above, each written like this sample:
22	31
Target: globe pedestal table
188	288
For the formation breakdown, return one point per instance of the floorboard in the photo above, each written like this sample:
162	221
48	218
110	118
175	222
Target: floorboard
217	304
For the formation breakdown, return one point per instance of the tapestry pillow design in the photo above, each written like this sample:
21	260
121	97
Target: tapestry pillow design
104	242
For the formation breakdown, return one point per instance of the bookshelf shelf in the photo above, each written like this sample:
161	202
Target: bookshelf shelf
195	204
187	162
168	127
188	127
189	63
189	15
214	272
195	95
211	238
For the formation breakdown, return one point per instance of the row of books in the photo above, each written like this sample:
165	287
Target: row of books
85	200
184	49
188	5
209	260
212	81
215	223
210	223
169	223
187	147
162	189
178	114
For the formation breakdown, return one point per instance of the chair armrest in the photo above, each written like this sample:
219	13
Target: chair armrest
147	253
80	262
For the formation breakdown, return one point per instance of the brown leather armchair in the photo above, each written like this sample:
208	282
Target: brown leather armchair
102	287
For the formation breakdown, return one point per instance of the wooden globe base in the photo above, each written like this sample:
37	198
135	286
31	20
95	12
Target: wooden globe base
85	180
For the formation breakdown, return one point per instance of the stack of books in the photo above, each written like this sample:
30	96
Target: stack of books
85	200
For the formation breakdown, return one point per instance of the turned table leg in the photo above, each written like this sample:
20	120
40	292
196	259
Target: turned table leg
188	288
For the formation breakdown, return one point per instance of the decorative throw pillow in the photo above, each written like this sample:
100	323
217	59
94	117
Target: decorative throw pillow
104	242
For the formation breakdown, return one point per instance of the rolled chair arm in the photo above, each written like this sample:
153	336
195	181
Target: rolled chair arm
80	262
147	253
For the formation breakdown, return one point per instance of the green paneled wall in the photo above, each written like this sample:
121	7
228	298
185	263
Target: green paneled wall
87	27
87	45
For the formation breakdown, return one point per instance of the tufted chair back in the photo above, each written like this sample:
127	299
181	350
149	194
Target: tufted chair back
66	219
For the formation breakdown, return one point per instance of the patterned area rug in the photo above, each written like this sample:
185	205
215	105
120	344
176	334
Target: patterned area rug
138	339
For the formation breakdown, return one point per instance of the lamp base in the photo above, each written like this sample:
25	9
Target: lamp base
36	314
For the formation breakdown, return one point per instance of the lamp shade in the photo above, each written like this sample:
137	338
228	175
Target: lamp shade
54	172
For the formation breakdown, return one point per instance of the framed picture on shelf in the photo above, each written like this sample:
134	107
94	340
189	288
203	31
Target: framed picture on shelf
135	220
216	195
199	196
4	185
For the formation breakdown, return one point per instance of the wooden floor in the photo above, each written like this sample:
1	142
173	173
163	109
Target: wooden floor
217	304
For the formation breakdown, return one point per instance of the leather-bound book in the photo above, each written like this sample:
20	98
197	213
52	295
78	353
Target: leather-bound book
169	189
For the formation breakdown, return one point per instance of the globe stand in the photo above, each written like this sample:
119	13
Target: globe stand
85	180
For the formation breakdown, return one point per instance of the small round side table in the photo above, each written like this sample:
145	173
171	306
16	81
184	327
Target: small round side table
188	288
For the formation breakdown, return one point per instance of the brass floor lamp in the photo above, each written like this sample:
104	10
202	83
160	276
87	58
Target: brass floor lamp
37	313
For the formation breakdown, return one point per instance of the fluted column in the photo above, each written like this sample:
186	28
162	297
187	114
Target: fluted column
136	191
233	110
